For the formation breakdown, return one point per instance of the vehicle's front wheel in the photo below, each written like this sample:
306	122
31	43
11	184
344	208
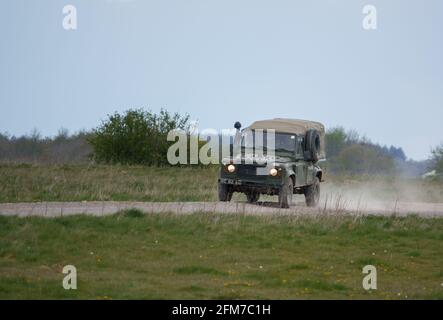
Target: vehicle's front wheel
252	196
312	193
285	194
224	192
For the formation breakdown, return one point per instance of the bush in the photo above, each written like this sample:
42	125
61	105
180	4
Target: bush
136	137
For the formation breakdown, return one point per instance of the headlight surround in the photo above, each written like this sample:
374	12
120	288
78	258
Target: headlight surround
273	172
230	168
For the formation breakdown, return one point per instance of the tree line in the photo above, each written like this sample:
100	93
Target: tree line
349	153
138	136
64	148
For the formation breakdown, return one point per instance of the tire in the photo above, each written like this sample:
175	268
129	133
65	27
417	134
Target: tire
286	193
313	145
252	197
312	193
224	192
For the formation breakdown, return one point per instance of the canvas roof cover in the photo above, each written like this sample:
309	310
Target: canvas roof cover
288	125
294	126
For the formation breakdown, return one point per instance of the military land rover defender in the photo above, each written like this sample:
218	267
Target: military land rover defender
291	167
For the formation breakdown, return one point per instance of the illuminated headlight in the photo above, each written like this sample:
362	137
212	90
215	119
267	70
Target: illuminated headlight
231	168
273	172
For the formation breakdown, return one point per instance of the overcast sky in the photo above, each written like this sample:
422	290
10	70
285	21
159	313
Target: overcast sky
227	60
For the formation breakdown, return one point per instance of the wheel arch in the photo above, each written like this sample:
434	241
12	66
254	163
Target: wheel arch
291	175
319	175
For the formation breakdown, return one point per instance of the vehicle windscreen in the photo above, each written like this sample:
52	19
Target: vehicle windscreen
257	140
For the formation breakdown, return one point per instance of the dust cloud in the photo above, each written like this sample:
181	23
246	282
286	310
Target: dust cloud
387	195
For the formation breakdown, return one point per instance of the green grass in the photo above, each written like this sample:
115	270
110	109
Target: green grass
27	183
132	255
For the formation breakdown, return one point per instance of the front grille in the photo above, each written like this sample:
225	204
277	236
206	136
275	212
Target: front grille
247	170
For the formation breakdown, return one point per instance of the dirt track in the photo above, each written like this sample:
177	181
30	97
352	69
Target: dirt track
99	208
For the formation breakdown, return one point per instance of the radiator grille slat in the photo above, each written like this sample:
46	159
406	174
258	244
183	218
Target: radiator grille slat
247	169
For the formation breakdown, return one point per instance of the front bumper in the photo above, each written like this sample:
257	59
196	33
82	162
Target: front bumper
246	184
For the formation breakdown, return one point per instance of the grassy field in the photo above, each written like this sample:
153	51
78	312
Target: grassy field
25	183
207	255
132	255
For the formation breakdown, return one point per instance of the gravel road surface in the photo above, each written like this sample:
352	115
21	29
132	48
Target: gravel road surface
101	208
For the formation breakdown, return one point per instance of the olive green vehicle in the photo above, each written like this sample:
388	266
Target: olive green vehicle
289	167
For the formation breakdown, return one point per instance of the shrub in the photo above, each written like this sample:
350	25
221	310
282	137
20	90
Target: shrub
136	137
